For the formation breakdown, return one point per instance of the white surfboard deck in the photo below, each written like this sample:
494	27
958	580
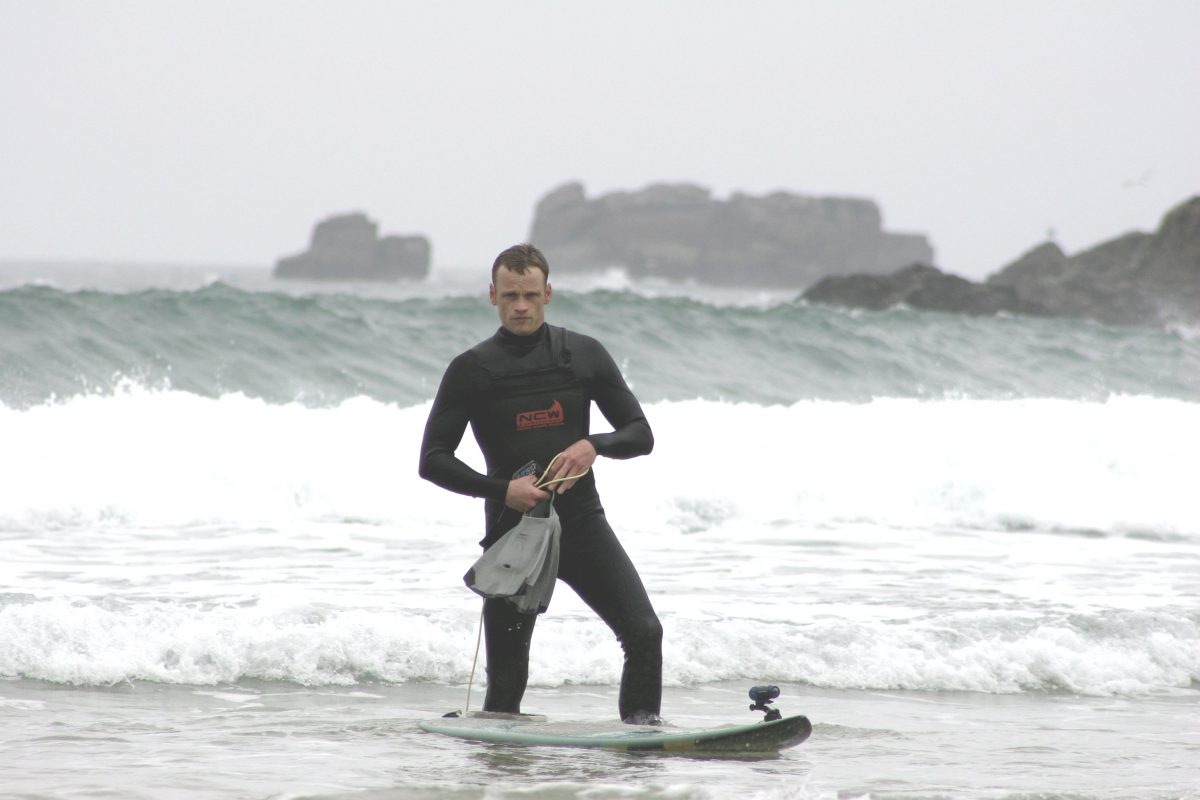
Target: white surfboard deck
529	730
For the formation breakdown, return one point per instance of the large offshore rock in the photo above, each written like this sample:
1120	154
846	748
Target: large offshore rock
1093	284
679	231
1135	279
348	247
918	286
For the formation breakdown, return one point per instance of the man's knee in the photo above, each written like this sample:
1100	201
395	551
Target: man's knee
642	632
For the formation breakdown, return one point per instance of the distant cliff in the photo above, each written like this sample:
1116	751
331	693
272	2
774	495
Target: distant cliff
679	231
1134	279
348	247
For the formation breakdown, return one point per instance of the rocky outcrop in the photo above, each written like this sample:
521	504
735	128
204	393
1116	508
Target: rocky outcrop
1134	279
680	232
919	286
1094	284
348	247
1138	278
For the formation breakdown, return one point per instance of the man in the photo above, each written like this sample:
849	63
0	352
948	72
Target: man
527	393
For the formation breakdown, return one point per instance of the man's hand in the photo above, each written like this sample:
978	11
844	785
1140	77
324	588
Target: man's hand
574	461
522	495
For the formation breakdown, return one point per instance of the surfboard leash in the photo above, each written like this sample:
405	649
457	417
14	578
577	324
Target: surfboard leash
540	484
474	662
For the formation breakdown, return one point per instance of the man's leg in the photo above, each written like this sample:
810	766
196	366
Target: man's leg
507	633
596	566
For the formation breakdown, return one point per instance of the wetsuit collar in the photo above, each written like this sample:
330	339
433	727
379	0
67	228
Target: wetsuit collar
512	341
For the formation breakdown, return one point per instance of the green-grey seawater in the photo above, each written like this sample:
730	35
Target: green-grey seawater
321	349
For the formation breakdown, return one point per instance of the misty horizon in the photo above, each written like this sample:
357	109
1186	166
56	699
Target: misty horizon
219	134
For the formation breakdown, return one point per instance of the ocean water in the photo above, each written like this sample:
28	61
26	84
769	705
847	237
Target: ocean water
967	548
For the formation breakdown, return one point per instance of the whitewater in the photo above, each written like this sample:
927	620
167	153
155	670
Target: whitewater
967	548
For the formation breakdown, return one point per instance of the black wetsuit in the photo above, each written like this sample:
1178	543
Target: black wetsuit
529	398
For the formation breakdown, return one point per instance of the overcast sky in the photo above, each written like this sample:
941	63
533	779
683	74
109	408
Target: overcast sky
218	132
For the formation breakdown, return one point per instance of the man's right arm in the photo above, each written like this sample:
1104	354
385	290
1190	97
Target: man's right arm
444	430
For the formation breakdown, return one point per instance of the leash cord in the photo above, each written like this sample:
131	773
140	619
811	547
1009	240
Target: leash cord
474	662
541	484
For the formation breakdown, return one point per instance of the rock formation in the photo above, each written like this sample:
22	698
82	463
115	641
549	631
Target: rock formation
680	232
919	286
348	247
1134	279
1137	278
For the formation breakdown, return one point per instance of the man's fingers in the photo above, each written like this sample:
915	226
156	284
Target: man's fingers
562	470
535	496
556	471
523	494
571	469
570	465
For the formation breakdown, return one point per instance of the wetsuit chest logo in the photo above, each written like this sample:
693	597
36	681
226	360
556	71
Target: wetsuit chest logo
541	417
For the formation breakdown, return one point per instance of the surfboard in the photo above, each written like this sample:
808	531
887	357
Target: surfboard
530	730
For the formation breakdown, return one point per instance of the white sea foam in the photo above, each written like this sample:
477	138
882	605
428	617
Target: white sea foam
155	458
85	642
1026	545
152	458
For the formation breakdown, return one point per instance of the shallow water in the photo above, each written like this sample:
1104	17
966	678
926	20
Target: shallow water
255	739
969	550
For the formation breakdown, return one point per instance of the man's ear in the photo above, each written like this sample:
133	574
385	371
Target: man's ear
492	293
548	291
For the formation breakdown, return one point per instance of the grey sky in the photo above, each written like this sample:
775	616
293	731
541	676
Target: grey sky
219	132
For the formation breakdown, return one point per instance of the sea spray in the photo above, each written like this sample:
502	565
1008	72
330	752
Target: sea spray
993	546
169	458
98	643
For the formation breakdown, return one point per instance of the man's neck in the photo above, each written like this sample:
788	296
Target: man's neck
508	337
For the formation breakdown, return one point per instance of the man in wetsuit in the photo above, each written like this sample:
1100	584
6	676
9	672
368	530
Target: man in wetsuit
527	393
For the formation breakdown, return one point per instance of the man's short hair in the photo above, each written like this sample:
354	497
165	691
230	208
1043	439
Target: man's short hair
519	258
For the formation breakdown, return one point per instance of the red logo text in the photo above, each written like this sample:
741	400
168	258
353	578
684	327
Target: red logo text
540	418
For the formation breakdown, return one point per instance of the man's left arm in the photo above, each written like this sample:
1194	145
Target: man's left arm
631	435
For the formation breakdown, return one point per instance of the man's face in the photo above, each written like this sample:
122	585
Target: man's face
520	299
